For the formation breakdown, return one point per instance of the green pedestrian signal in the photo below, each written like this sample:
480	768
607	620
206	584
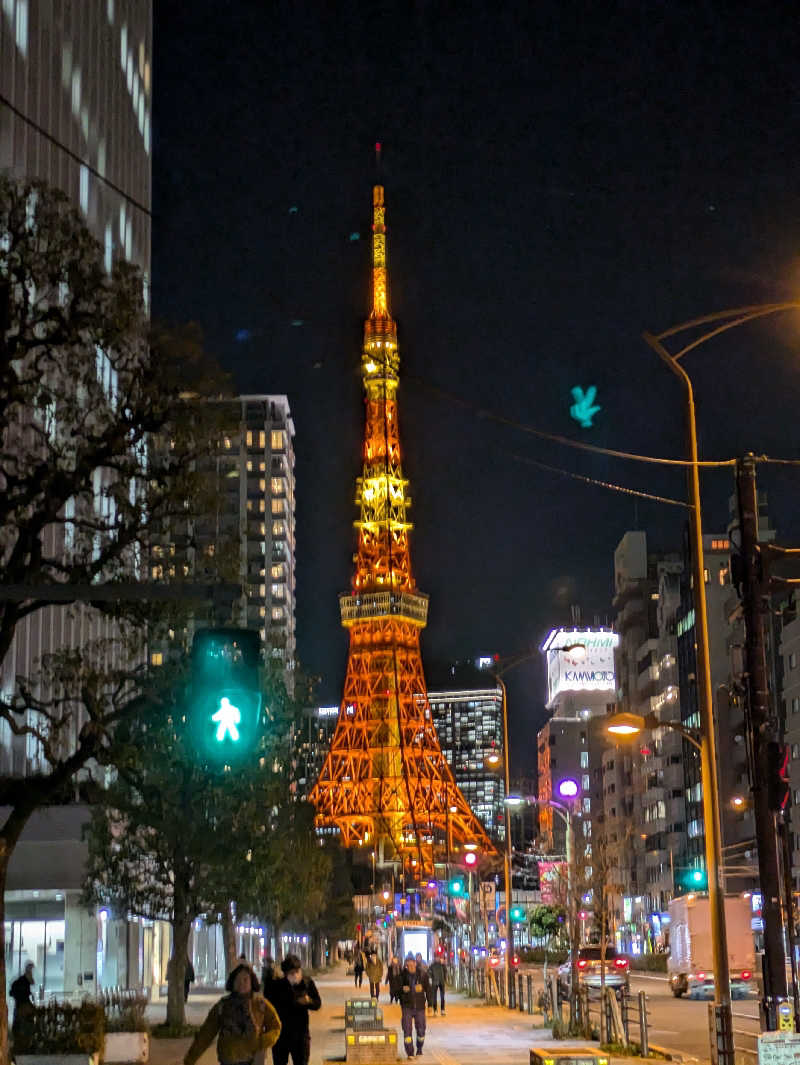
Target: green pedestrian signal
517	913
456	887
225	713
695	880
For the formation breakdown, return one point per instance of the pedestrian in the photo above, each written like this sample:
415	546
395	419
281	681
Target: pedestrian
358	967
243	1022
21	991
413	999
188	978
374	974
267	974
438	976
393	971
293	996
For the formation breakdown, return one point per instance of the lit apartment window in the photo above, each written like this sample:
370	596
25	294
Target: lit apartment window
227	443
277	528
249	465
262	438
793	660
261	506
249	438
276	572
706	576
277	507
277	485
156	658
277	613
276	440
262	611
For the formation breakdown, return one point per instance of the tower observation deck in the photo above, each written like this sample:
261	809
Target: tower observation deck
385	783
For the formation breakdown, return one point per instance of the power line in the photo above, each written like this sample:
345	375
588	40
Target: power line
600	484
501	419
68	151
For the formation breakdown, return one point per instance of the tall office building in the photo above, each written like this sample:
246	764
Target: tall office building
641	780
76	82
581	682
467	711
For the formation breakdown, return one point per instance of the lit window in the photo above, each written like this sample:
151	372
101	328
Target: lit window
277	507
793	660
156	659
277	528
227	443
276	572
84	189
584	759
249	441
262	440
277	485
22	26
276	440
261	506
249	466
706	576
277	613
585	782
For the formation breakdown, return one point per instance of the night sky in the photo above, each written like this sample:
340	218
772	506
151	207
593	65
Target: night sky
559	178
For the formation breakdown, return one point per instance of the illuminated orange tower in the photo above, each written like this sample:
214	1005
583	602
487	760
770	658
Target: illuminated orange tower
385	783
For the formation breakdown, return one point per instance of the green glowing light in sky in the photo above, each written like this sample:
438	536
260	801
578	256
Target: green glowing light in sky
584	408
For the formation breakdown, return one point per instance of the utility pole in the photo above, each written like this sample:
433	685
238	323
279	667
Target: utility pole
760	728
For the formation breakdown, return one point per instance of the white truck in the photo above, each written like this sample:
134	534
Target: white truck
690	960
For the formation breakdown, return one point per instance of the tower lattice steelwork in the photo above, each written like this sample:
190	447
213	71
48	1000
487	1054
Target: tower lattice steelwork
385	782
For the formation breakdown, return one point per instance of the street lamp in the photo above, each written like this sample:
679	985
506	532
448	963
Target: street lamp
627	724
720	322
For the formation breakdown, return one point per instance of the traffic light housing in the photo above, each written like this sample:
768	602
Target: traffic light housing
778	781
696	880
456	886
517	913
225	694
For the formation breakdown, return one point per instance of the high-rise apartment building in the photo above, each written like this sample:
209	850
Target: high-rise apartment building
640	780
467	710
76	83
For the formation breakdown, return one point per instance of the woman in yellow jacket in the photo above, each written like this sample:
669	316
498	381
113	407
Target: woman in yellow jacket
243	1022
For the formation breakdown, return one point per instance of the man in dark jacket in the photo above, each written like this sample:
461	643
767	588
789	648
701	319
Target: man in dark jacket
293	996
414	987
21	991
437	973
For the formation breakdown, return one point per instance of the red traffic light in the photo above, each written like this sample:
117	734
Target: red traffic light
471	858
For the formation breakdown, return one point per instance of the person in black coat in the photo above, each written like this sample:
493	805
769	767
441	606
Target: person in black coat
21	991
188	978
414	988
293	996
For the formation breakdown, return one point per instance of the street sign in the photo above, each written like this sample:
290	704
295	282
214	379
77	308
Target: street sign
778	1048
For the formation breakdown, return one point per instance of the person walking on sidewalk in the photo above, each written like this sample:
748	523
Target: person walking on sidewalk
21	991
358	967
438	975
188	978
243	1023
293	997
374	974
413	999
393	972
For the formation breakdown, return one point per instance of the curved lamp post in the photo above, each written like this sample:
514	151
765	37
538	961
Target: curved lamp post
721	322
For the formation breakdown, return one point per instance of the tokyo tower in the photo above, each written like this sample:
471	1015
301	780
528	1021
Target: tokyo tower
385	783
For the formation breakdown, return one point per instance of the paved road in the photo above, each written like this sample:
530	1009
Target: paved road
682	1023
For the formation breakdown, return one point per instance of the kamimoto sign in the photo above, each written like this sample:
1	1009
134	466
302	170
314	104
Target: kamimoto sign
580	660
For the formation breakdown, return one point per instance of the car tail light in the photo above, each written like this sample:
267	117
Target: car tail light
582	963
701	976
621	963
746	975
515	960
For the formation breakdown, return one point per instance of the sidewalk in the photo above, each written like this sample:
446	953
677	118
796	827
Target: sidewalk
470	1034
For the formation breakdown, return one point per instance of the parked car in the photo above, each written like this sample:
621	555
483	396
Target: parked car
589	974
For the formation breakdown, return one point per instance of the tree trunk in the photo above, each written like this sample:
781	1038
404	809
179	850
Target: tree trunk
4	857
229	937
176	970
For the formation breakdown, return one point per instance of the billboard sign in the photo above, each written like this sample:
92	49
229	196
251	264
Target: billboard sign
552	882
580	660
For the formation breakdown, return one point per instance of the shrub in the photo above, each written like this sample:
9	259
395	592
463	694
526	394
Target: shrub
59	1028
536	955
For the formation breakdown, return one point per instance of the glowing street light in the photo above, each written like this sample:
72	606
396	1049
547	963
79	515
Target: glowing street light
568	788
626	724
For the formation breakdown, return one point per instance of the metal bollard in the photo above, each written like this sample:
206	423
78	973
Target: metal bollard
529	982
512	991
643	1036
557	1012
520	995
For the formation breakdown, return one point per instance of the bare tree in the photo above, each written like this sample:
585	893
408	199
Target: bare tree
86	387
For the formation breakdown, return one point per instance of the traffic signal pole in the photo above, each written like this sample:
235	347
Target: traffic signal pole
760	730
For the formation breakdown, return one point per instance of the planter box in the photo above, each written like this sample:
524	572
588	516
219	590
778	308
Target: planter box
57	1059
127	1046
